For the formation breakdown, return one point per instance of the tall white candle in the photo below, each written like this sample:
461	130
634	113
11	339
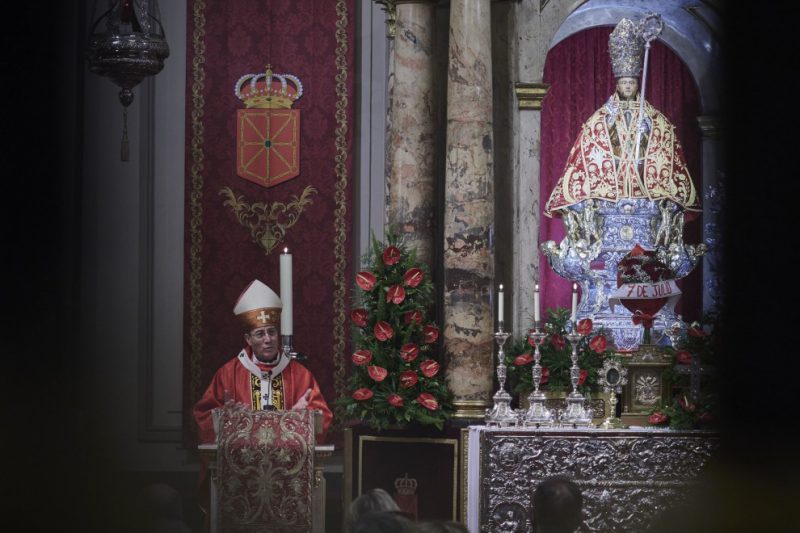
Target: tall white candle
536	304
500	304
574	317
287	324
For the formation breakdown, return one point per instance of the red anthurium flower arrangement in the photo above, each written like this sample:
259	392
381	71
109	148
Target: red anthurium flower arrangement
428	401
362	394
391	255
412	317
396	294
377	373
409	352
359	317
413	277
366	280
593	346
408	379
430	334
429	368
395	378
362	357
693	404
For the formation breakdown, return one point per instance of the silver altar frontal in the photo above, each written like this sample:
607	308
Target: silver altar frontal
626	476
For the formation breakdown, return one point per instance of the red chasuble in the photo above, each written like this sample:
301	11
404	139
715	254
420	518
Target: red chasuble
243	387
601	165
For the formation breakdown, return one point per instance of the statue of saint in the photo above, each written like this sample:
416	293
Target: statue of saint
627	148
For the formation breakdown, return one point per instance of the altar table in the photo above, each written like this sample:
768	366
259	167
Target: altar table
626	476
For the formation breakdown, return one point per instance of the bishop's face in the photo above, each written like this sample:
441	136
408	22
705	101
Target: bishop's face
627	88
264	342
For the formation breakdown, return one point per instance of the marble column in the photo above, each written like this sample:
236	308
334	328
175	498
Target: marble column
412	135
468	211
526	184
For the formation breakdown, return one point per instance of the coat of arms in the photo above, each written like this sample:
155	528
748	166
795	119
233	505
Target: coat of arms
268	130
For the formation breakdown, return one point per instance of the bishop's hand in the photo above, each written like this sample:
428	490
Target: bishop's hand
302	403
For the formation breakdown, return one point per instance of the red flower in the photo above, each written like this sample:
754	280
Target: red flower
545	376
412	317
391	256
558	342
523	359
429	368
427	401
396	294
383	331
395	400
585	326
686	405
378	373
658	418
697	331
362	357
598	344
530	340
413	277
683	357
366	280
362	394
359	317
408	379
430	334
582	375
409	352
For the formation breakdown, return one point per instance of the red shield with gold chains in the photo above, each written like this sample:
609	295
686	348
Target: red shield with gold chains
267	142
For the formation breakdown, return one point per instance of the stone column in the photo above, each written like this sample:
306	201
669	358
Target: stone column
527	202
468	210
712	204
411	140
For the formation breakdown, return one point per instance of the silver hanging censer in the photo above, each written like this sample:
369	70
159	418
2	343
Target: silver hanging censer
127	44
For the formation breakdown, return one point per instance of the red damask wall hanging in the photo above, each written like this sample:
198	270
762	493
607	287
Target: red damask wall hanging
259	179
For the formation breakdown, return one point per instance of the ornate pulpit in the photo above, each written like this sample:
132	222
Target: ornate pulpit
263	472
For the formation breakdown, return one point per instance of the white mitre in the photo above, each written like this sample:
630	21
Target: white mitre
258	306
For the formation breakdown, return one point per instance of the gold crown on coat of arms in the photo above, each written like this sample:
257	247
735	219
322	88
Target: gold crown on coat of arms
405	485
268	90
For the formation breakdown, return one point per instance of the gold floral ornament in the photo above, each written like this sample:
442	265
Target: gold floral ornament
268	223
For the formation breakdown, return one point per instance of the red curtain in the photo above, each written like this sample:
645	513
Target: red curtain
313	40
578	70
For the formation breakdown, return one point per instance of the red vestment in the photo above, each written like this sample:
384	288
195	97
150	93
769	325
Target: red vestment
233	377
601	164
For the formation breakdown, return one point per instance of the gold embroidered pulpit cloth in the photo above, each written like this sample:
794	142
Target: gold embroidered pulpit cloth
265	470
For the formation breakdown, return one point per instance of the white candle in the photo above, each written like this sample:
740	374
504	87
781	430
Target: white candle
536	304
574	303
287	325
500	304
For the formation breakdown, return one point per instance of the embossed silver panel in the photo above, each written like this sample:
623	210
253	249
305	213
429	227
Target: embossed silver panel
627	477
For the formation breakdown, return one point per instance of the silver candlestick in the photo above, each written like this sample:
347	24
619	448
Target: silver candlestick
501	414
576	413
537	414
